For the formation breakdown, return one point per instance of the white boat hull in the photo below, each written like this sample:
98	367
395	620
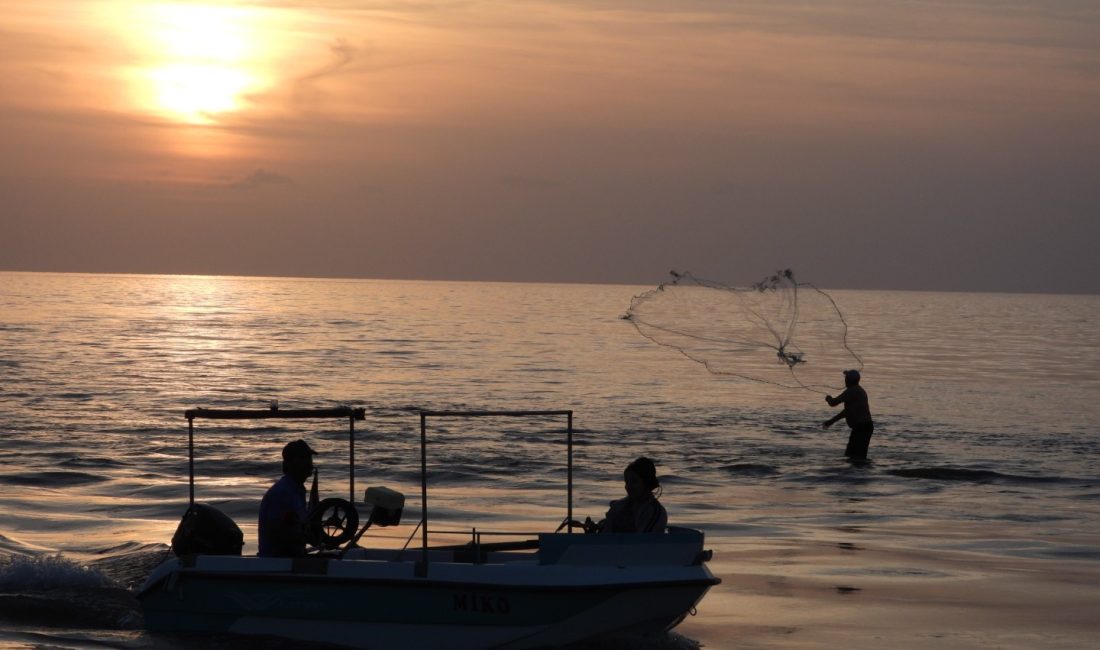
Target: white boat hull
374	599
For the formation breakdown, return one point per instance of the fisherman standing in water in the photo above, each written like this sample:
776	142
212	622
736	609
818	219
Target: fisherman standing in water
856	412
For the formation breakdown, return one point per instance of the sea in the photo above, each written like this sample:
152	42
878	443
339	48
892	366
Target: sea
975	523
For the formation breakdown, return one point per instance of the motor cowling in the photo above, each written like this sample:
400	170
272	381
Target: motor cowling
205	530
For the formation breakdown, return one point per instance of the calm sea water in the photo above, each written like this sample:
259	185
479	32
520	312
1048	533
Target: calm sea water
987	427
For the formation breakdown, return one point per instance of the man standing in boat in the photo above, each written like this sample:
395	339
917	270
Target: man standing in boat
857	414
283	515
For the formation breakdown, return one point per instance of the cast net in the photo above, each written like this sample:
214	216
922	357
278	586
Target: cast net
778	331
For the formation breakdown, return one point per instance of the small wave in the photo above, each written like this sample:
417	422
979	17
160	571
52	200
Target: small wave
969	475
459	475
52	479
10	545
845	473
127	565
83	397
98	462
23	572
751	469
128	548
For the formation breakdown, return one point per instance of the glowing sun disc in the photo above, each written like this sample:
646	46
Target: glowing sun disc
195	92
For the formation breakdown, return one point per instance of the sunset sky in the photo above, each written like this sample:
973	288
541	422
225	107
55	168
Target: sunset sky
866	144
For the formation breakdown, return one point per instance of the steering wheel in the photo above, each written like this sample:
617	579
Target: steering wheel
333	522
590	527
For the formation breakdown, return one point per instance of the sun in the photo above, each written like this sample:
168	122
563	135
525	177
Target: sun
198	93
201	59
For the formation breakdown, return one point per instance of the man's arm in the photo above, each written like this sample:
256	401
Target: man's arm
833	420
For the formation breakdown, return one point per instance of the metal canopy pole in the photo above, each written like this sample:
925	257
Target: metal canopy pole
358	413
422	569
351	459
352	413
569	473
191	459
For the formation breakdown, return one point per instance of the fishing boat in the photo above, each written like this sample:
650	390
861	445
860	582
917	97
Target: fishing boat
547	589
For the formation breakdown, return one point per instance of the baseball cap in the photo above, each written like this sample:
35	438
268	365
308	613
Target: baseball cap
852	374
297	449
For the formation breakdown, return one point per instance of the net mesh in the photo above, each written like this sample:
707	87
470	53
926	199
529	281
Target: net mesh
778	331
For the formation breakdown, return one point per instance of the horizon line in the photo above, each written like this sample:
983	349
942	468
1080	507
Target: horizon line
507	281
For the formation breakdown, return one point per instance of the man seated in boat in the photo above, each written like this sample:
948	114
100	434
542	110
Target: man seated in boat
283	515
640	511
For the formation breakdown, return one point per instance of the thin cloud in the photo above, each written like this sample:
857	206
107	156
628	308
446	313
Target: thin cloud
343	54
260	178
306	86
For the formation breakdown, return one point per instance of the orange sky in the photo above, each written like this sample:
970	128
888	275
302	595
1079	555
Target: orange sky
865	144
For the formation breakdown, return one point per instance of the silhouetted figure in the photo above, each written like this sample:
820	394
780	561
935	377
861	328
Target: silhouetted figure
856	412
640	511
283	513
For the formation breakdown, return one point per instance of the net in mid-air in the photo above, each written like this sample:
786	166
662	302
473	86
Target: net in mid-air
778	331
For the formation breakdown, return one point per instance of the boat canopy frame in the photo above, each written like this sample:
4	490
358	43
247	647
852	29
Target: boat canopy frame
359	413
422	566
351	413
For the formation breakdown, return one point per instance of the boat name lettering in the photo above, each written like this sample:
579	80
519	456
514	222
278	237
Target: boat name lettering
473	602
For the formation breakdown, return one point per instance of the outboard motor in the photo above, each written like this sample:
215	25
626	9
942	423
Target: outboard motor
205	530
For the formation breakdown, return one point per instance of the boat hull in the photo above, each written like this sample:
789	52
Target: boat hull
454	606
